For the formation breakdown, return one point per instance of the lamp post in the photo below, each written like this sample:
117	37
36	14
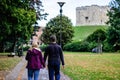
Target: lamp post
35	27
61	4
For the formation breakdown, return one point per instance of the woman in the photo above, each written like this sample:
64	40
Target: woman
35	62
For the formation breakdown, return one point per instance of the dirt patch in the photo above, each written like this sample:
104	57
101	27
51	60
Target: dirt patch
3	56
3	74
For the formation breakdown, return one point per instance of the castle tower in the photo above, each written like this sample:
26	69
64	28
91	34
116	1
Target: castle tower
91	15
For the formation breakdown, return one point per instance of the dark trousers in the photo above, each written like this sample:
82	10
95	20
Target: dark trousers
54	69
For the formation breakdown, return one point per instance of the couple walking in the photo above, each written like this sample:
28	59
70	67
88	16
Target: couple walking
35	60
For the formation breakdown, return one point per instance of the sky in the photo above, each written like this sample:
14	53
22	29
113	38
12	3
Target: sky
69	8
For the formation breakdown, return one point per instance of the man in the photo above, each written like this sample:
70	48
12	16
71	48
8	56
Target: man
55	56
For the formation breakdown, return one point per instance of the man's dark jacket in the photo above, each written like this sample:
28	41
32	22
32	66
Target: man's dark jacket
54	53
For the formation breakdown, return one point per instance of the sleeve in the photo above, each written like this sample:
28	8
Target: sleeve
42	59
45	54
27	55
61	56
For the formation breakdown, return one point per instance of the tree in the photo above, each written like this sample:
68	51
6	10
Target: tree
113	34
38	7
40	15
16	21
96	40
96	36
53	27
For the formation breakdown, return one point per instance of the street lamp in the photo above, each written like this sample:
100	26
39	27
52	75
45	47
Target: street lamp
61	4
35	27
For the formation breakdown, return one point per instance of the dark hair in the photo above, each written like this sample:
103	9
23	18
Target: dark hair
53	38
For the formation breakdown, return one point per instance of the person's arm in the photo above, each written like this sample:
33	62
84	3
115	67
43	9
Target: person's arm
27	55
45	54
41	59
62	57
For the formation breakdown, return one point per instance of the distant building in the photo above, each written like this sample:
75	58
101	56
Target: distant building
36	36
91	15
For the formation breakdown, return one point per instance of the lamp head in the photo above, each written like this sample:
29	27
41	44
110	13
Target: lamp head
61	3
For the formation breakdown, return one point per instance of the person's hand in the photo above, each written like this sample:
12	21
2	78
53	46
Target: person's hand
63	66
45	66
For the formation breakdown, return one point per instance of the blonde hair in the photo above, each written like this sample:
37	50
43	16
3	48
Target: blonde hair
34	45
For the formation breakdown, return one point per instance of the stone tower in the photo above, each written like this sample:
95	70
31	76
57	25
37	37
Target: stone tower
91	15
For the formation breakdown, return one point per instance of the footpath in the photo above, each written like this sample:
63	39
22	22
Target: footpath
20	73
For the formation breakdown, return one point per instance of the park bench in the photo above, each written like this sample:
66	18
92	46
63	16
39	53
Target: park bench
12	54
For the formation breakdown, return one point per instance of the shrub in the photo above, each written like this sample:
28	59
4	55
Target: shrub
26	48
97	35
84	46
92	45
76	46
107	47
42	47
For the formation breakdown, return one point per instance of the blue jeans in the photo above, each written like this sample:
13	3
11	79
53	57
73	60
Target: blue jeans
54	68
33	72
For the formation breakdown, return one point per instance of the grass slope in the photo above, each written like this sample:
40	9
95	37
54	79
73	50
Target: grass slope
81	32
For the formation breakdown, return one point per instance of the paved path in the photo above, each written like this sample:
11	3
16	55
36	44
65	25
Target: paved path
20	73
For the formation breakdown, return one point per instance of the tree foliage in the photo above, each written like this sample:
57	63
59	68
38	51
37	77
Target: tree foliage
54	26
16	19
38	7
113	36
98	35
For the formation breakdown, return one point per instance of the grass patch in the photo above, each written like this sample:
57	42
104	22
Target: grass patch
4	54
7	63
81	32
92	66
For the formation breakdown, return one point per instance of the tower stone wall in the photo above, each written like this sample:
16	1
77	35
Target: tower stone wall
91	15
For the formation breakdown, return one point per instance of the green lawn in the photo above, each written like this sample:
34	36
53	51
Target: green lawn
4	54
92	66
81	32
7	63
